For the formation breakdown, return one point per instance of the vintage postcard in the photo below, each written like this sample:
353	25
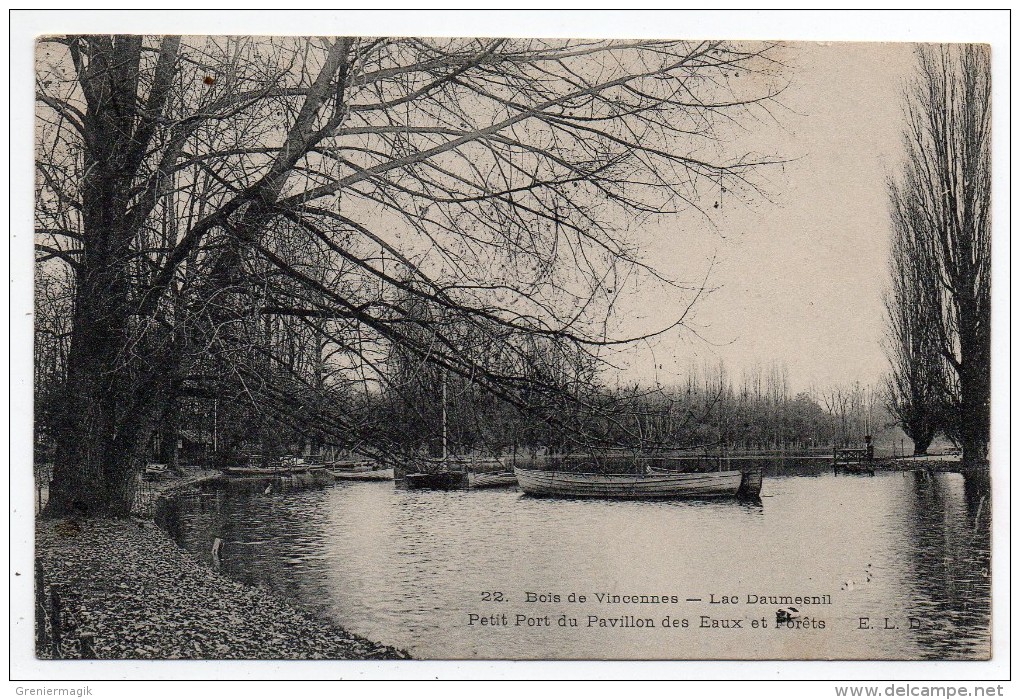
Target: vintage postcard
392	348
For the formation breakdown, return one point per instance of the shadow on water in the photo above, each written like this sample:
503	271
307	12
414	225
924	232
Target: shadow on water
268	531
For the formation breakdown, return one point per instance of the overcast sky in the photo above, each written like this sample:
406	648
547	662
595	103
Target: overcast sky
799	279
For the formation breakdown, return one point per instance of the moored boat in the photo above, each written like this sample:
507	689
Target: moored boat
257	467
155	471
750	485
352	465
261	471
443	480
638	486
491	480
476	464
363	474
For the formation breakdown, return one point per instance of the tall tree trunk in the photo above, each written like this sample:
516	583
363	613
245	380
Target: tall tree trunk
170	434
112	390
84	438
87	468
975	417
108	418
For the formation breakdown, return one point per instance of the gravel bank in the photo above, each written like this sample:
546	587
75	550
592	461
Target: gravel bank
127	588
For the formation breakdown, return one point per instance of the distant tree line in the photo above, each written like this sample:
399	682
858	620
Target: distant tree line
709	410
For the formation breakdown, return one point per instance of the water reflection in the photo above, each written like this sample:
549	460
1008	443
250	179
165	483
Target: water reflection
949	565
408	567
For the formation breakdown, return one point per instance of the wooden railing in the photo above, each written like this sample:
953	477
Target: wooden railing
854	459
853	455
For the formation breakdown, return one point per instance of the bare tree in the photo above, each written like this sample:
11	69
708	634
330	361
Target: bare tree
943	198
915	389
177	174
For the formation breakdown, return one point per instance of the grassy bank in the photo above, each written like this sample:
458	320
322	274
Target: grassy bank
125	590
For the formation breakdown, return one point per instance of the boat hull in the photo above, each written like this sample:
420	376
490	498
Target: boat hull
434	480
363	475
352	465
630	486
258	472
490	481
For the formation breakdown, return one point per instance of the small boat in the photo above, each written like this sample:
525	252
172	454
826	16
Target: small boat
491	480
640	486
284	467
369	474
445	473
479	465
256	471
155	471
444	480
353	465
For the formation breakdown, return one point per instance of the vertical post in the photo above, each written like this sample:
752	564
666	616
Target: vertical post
41	637
217	548
444	419
215	411
56	623
86	644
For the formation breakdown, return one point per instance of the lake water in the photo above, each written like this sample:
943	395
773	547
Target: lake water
420	570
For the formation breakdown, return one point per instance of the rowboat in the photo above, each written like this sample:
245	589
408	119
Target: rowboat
352	465
639	486
443	480
155	471
455	471
363	474
478	465
493	480
260	471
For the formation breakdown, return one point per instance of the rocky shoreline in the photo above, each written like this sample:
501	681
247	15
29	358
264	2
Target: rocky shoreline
123	589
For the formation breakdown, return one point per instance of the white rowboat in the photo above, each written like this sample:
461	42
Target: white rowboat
622	486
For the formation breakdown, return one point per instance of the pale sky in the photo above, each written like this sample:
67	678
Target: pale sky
799	279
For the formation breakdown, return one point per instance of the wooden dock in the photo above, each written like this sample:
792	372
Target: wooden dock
854	460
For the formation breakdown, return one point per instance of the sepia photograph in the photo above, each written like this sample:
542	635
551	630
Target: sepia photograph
511	348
